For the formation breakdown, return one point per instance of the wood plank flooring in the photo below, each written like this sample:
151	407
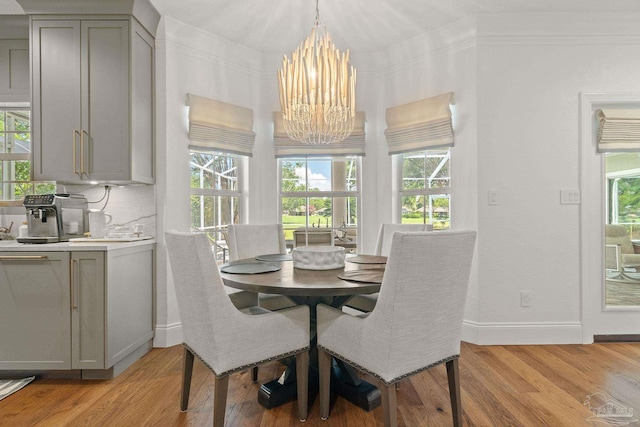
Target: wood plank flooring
527	386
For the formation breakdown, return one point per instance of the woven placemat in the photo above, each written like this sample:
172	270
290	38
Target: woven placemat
367	259
249	267
275	257
367	276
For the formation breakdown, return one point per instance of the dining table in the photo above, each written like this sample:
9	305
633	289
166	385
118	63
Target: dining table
276	274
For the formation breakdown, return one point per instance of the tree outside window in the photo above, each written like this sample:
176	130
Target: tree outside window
426	188
15	156
215	194
319	192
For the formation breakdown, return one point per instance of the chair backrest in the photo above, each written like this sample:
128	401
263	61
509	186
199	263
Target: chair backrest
250	240
617	235
612	258
383	245
205	310
313	237
417	320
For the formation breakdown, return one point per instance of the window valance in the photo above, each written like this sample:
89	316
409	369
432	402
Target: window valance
618	129
285	146
221	126
419	125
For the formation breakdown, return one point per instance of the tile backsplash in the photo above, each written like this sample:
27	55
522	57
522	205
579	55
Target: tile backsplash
127	205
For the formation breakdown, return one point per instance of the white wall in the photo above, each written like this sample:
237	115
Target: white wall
189	60
531	72
516	80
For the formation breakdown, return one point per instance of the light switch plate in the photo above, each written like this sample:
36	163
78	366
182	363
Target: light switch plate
570	197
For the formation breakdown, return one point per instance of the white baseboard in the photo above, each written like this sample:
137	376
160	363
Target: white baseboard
168	335
496	333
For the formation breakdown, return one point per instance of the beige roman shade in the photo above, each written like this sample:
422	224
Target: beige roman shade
220	126
286	147
420	125
618	129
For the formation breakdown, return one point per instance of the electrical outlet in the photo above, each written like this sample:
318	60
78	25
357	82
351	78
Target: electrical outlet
525	299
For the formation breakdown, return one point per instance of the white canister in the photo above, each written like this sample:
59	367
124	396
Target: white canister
97	222
23	230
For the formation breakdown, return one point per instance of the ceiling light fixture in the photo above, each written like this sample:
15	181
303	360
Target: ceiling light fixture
317	90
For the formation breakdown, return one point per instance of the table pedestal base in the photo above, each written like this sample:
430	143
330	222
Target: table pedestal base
344	382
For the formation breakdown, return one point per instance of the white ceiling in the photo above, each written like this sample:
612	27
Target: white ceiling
278	26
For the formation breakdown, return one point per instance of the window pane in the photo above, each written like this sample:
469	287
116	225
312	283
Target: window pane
319	175
413	173
413	209
345	174
320	212
439	214
15	138
345	210
431	209
437	168
293	215
213	171
228	211
293	175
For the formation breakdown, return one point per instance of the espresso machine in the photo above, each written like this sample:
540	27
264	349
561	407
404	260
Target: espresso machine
55	218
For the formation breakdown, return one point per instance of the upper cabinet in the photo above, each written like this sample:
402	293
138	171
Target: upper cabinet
92	97
14	59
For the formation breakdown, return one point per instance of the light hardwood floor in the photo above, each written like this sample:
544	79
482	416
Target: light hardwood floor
527	386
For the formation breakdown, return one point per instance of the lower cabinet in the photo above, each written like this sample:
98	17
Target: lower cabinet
76	310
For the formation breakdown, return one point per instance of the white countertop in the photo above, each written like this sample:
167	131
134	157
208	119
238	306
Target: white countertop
14	246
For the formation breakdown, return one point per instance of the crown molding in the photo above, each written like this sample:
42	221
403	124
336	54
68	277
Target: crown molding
204	46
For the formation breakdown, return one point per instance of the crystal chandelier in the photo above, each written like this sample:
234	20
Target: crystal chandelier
317	90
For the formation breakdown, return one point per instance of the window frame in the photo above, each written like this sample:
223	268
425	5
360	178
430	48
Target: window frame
219	230
7	186
428	217
357	193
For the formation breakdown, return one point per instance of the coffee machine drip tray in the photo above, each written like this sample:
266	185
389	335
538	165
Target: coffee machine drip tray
41	239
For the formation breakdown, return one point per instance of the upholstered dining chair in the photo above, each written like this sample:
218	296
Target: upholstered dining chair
225	339
366	302
616	234
416	324
248	241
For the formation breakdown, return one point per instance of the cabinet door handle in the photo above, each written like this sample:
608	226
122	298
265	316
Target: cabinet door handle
22	257
86	170
75	160
73	285
82	152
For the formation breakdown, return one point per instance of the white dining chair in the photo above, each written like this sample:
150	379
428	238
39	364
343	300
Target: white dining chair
225	339
250	240
416	324
366	302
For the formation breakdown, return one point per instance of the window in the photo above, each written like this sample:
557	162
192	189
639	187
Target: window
15	156
319	192
623	191
425	188
215	194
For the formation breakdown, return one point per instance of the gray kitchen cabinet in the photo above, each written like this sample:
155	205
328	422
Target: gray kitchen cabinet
14	70
92	100
87	312
35	301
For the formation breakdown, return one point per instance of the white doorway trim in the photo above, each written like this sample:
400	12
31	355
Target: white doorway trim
592	215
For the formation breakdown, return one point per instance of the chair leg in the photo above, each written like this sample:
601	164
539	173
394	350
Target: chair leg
389	404
302	377
324	367
454	391
187	370
220	387
254	374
